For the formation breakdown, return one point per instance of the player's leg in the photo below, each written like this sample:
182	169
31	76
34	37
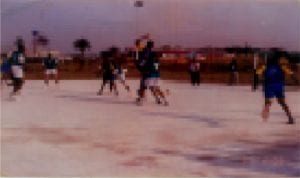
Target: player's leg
20	85
56	76
237	77
230	80
286	109
155	93
266	110
113	86
162	96
192	78
46	77
2	78
122	81
104	82
198	78
142	90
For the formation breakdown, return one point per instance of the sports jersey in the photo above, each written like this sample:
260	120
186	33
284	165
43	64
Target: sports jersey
50	63
195	67
5	66
274	81
274	75
152	66
17	59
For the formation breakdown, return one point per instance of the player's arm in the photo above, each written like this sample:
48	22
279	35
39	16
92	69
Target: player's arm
287	70
261	70
56	64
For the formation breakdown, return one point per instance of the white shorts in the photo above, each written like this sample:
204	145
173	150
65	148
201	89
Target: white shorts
17	71
152	82
51	71
121	76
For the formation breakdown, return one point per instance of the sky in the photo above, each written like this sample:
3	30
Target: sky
188	23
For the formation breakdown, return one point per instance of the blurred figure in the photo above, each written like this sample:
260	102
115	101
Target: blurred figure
274	85
149	68
108	67
50	65
255	76
120	71
233	72
153	79
140	64
145	39
5	69
195	72
16	63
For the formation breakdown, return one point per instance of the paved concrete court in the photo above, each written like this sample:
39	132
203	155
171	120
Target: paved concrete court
211	130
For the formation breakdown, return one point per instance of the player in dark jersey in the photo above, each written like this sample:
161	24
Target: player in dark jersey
120	72
108	69
274	85
153	79
50	64
140	62
16	63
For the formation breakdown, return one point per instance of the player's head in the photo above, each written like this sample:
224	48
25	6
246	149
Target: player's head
137	42
104	54
114	50
146	36
49	55
273	58
150	44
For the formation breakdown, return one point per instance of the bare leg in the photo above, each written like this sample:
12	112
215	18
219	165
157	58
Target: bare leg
46	79
100	92
266	109
56	78
155	94
125	85
161	95
286	109
113	86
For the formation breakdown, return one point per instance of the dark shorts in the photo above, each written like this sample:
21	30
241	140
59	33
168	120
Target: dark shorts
274	90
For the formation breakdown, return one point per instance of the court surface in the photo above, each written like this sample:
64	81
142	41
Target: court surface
210	130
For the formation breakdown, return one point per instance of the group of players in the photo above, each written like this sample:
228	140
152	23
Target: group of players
147	63
13	68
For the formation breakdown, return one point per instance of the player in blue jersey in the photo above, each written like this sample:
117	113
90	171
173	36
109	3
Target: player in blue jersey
50	64
5	69
274	74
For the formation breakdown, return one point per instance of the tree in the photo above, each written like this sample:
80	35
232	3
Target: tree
81	45
43	40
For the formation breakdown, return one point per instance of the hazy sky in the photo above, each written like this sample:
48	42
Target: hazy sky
190	23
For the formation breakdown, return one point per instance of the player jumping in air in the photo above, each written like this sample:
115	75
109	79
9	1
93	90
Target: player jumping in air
274	85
